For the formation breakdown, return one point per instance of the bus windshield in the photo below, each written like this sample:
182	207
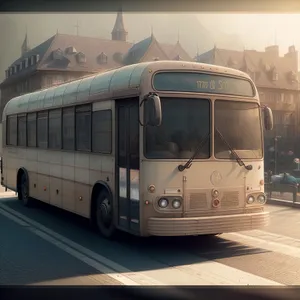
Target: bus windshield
185	122
239	123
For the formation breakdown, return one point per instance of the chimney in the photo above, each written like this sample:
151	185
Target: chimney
273	51
293	56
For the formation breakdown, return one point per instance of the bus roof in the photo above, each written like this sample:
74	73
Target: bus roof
124	78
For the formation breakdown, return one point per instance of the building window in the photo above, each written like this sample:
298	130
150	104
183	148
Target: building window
31	130
22	131
83	128
11	131
102	131
68	128
55	129
42	129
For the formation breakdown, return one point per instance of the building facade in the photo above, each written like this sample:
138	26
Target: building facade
66	57
276	78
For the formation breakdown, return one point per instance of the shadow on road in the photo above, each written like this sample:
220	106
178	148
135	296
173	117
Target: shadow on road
134	253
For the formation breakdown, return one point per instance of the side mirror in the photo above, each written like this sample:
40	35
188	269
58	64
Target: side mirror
153	114
268	118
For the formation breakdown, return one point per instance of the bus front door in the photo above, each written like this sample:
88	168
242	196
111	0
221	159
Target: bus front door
127	173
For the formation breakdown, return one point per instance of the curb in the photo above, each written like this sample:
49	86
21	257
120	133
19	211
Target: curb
281	202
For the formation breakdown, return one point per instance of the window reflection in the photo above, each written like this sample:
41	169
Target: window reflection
185	122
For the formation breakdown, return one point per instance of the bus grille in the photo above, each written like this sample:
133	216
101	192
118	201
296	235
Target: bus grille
198	201
230	199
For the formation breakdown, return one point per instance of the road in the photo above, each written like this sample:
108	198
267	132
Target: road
45	246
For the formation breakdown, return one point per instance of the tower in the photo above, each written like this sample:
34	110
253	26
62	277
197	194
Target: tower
119	33
25	48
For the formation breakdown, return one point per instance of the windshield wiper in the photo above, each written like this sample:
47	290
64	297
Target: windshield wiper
237	158
188	164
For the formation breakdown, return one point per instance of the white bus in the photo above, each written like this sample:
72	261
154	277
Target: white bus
160	148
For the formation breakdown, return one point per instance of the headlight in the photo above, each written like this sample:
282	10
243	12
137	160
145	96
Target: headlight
176	203
250	200
261	199
163	203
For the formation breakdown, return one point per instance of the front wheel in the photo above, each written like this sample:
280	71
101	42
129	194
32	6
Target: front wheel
24	191
104	214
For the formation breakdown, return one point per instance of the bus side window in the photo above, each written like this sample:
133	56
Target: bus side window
22	131
102	131
83	127
11	131
42	129
31	130
55	129
68	130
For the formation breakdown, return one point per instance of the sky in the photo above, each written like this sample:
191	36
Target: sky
258	29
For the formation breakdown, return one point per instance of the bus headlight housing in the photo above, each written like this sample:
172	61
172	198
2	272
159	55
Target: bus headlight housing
250	200
262	199
163	202
176	203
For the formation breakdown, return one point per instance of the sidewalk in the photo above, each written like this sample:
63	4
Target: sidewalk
285	199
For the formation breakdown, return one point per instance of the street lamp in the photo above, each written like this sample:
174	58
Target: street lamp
277	137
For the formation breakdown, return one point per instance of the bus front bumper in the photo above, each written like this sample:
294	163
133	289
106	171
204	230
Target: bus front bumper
206	225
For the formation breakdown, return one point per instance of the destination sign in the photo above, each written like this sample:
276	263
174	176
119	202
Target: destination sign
202	83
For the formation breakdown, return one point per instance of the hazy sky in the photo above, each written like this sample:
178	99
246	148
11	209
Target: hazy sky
255	31
258	29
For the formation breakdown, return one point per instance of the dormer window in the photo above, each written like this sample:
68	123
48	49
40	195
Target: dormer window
102	58
26	62
57	54
274	75
118	57
292	76
81	58
70	50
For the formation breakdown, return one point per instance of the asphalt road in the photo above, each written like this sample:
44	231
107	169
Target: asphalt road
44	245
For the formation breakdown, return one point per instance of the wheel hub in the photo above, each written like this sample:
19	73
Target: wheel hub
105	211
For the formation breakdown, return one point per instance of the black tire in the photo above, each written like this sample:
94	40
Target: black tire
104	214
24	192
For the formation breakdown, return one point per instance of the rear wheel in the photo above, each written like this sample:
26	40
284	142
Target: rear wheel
24	191
104	214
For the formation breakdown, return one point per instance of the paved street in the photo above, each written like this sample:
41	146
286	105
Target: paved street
44	245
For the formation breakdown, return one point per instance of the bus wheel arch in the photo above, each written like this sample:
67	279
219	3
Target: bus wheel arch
23	187
101	214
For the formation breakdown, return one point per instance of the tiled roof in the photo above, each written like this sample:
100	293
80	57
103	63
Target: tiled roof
173	51
90	47
254	62
38	50
117	54
137	51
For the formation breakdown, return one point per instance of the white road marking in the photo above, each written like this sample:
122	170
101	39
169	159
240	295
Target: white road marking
268	242
74	253
203	273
